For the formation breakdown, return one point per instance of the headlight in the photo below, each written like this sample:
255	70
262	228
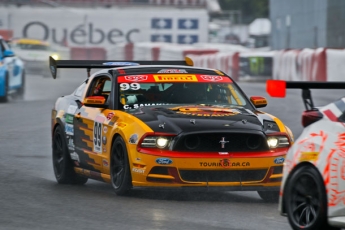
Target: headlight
277	141
161	142
56	56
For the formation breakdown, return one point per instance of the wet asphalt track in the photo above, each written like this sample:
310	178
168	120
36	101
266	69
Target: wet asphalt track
31	199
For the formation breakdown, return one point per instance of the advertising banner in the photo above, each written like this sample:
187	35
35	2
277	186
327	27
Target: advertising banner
100	27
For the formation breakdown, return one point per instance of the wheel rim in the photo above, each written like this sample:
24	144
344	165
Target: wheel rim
58	156
118	166
305	201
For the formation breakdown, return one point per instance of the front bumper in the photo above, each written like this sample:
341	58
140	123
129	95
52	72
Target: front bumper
231	172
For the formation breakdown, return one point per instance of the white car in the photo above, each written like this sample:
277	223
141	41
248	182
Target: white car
35	54
312	193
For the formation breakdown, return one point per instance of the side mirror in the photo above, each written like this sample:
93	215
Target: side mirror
258	101
8	53
95	101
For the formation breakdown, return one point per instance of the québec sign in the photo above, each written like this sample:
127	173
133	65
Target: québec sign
81	35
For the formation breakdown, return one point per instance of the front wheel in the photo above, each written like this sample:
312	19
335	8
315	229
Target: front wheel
269	196
120	174
62	163
306	200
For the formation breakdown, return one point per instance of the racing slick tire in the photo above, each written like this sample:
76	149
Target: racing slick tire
269	196
306	200
5	97
120	173
62	163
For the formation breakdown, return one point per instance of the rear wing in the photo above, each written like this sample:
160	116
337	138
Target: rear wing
277	88
104	64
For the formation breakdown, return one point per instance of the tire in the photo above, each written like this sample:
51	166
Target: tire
269	196
120	173
306	200
5	97
62	163
21	90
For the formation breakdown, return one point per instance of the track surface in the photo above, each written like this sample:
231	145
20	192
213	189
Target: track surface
31	199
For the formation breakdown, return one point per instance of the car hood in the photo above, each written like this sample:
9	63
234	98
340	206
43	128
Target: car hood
192	118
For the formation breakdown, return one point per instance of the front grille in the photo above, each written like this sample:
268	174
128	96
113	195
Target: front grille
222	176
221	142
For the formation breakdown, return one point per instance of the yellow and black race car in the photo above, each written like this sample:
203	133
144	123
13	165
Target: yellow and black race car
165	124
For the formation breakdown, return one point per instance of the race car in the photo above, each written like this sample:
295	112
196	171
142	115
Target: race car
312	193
35	53
12	74
165	124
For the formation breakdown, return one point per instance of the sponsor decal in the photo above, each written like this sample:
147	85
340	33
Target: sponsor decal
110	116
69	118
133	139
279	160
309	156
105	163
104	140
71	109
69	129
70	144
164	161
138	170
172	71
211	78
105	129
223	153
225	163
136	78
75	156
104	149
175	78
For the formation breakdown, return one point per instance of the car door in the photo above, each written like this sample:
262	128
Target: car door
89	126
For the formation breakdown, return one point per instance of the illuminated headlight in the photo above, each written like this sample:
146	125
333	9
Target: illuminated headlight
56	56
156	142
162	142
278	141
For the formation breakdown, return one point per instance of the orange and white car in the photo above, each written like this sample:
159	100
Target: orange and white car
312	193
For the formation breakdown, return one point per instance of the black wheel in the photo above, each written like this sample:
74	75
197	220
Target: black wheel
21	90
5	97
306	200
62	163
120	174
269	196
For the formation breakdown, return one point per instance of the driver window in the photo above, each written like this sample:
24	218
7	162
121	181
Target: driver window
101	86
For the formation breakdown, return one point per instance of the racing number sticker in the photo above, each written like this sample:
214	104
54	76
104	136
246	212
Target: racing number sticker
97	137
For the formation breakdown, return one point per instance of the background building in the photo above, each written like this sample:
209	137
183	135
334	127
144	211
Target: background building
300	24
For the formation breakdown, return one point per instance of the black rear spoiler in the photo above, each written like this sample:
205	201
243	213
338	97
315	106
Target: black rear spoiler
104	64
277	88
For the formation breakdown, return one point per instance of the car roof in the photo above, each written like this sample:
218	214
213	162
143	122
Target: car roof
30	41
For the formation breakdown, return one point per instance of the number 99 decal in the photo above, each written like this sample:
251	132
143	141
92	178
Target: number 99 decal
132	86
97	137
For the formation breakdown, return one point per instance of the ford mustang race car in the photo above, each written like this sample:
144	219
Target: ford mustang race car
165	124
35	54
12	75
313	188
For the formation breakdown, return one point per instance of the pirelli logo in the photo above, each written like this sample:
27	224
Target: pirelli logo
175	77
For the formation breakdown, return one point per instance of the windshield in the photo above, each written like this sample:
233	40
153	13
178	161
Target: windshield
151	90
